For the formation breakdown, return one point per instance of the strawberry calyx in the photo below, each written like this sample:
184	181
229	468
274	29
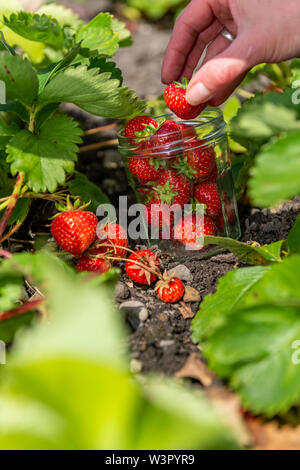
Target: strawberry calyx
182	166
148	130
183	83
164	282
69	206
166	193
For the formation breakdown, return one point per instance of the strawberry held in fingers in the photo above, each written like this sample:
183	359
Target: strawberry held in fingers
208	194
111	240
142	267
169	289
93	264
139	125
191	229
75	230
175	98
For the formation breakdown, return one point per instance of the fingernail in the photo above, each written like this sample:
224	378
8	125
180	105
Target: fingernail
198	94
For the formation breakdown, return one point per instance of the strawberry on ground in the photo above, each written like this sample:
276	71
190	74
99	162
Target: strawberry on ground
169	289
75	230
190	232
137	273
139	125
175	99
90	264
197	162
115	236
208	194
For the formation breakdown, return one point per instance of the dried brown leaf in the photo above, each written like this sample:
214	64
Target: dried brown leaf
186	311
269	436
191	295
196	369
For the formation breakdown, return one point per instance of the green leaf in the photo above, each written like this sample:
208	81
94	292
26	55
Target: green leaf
17	108
265	116
19	77
98	35
5	45
10	290
155	9
124	35
276	173
293	240
41	28
9	328
47	157
45	76
249	254
95	93
87	191
105	65
230	296
251	342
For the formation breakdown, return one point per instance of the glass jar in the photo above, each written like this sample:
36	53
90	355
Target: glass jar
183	184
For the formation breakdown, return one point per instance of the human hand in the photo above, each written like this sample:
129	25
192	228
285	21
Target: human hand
264	31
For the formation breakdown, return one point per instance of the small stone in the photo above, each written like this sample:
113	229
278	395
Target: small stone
122	291
182	272
191	295
166	342
135	308
136	366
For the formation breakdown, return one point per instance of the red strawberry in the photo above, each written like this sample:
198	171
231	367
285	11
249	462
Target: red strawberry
190	233
169	289
74	231
138	125
186	130
145	169
197	162
113	235
208	194
173	188
137	273
175	98
164	142
158	214
213	176
96	265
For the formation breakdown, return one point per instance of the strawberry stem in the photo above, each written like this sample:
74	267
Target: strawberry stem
11	203
34	304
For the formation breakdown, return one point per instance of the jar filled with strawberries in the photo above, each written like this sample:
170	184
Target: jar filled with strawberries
179	168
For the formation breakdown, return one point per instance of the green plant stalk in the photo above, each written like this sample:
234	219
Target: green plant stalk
16	226
11	203
33	305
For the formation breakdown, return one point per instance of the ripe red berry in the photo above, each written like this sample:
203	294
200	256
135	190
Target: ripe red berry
158	214
164	142
140	274
213	176
173	188
144	169
115	236
175	98
190	232
208	194
197	162
169	289
138	125
95	265
74	231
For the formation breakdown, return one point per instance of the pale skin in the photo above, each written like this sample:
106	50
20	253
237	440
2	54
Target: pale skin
264	31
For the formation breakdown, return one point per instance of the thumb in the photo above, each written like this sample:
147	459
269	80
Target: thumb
220	72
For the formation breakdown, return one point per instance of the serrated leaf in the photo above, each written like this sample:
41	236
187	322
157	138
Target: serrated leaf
265	116
17	108
47	157
230	296
105	65
98	35
276	173
34	50
19	77
87	191
293	240
247	253
95	93
41	28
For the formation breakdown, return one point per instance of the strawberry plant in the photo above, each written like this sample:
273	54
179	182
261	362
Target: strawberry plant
39	142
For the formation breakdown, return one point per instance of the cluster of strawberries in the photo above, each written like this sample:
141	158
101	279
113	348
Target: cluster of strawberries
75	231
172	166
